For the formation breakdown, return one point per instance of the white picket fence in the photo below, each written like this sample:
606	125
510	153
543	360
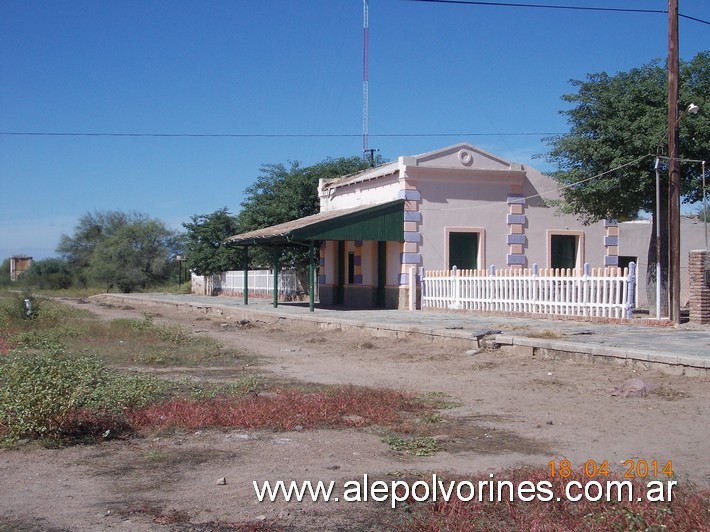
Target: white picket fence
260	283
604	292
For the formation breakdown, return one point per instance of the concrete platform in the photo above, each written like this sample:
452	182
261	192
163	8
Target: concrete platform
681	350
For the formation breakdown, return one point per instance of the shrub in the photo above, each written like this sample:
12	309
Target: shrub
40	393
44	312
15	309
53	274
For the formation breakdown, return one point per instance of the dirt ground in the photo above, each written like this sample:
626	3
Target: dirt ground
512	411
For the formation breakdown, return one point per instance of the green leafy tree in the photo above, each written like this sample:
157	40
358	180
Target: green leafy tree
618	123
138	255
203	243
92	229
5	273
129	250
282	194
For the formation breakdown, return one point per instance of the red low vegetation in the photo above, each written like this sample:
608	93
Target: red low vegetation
349	406
280	410
688	510
6	345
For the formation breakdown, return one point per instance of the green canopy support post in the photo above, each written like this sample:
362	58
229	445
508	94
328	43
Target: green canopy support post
246	275
311	273
276	277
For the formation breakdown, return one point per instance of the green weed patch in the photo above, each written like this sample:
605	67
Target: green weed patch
41	394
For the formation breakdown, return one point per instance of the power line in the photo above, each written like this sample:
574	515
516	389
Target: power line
557	6
541	6
681	15
265	135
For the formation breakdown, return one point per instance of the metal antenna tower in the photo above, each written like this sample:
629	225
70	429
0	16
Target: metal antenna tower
365	68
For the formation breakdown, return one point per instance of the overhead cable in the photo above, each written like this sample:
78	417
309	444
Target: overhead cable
558	6
261	135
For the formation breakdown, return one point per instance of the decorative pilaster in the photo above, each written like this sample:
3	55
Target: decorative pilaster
321	254
411	255
516	239
358	262
611	243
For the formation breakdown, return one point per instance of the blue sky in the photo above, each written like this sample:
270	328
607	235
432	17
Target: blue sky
269	69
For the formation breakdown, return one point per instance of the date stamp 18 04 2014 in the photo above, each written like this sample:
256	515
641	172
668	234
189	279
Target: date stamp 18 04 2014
631	468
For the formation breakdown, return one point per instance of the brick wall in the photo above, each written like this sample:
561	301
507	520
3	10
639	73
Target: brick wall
699	291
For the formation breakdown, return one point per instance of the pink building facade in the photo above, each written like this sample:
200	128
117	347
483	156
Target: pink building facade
461	207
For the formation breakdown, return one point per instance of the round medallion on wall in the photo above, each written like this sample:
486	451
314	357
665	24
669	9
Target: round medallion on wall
466	158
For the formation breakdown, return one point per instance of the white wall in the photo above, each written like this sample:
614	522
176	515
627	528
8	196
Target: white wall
363	193
634	241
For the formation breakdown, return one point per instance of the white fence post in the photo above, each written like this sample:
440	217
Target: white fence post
535	296
492	293
423	285
630	294
456	295
413	288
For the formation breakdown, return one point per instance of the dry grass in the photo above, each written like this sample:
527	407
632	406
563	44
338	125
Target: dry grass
544	333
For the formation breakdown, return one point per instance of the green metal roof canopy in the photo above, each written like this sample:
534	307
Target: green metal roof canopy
373	222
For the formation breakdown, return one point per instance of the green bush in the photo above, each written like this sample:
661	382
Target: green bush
52	274
40	393
15	310
5	274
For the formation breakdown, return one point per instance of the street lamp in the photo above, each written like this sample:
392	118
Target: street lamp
658	240
674	206
673	220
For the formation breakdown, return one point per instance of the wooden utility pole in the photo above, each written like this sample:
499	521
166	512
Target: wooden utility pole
674	164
